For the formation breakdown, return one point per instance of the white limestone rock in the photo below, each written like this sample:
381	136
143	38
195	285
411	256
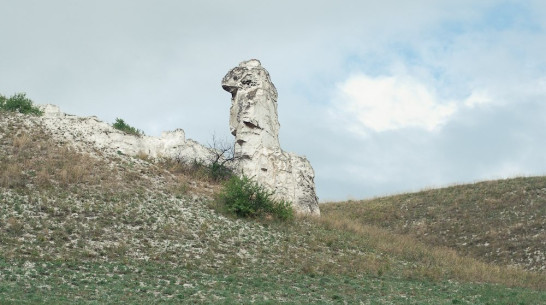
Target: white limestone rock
90	131
255	125
51	110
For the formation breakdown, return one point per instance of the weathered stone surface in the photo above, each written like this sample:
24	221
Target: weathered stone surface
86	131
255	125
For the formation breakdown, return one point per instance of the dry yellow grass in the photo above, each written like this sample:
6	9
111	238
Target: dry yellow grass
500	222
11	175
433	262
188	178
33	158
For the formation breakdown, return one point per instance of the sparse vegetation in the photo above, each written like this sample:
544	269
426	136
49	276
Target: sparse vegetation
214	170
197	169
246	198
501	222
223	154
79	226
121	125
219	172
19	103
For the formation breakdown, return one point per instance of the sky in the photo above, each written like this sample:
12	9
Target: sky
382	97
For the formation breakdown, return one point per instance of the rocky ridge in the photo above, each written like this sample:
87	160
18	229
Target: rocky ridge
84	131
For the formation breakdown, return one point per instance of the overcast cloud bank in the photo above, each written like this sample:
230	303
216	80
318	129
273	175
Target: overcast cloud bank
381	97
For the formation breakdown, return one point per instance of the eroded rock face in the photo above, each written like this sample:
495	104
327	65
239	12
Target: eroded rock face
255	125
90	131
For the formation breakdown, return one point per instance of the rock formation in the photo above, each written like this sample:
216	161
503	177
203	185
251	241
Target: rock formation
101	135
255	125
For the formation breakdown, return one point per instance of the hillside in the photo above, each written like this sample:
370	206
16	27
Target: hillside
502	222
84	225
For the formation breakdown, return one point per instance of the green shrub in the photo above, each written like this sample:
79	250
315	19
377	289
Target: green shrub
121	125
246	198
219	172
19	103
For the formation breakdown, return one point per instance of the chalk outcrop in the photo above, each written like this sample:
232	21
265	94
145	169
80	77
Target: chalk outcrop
255	125
90	131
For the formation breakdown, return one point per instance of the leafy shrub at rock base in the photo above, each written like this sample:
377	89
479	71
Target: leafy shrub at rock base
19	103
246	198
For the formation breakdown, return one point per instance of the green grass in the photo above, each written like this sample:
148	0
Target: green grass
151	283
85	227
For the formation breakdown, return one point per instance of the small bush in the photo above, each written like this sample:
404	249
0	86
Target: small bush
219	172
246	198
197	169
214	172
121	125
19	103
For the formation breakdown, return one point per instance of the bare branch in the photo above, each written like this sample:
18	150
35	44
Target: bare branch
223	152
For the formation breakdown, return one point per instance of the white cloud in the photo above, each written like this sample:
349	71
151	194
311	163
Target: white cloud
395	102
477	98
389	103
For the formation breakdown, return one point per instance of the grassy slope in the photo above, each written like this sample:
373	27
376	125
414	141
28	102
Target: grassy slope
502	222
87	227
